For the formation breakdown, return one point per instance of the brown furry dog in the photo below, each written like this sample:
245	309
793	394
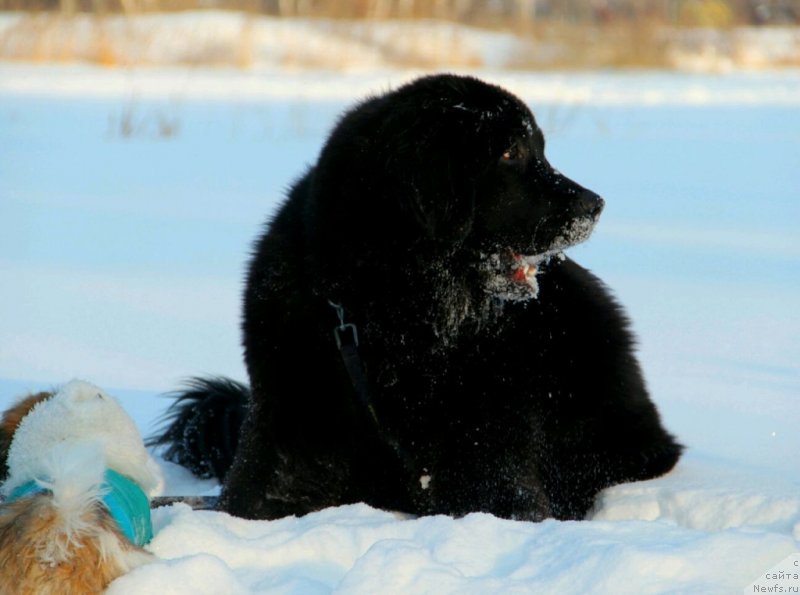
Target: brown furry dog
77	488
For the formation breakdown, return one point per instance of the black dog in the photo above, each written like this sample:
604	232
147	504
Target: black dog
478	369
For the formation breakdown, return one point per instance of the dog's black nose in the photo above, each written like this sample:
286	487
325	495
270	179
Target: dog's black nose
590	203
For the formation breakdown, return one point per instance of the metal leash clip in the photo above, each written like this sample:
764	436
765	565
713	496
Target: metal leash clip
349	326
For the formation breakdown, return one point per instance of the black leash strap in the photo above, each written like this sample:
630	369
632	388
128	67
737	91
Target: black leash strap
346	335
196	502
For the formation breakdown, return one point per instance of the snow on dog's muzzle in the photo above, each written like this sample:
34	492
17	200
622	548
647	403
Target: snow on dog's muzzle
586	208
514	279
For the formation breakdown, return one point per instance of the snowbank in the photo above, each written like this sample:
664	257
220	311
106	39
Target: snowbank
214	38
700	530
240	40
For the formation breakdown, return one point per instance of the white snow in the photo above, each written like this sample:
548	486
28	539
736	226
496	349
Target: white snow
357	549
565	90
121	261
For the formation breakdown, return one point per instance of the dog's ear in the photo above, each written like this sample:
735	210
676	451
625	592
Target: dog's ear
10	422
440	199
434	165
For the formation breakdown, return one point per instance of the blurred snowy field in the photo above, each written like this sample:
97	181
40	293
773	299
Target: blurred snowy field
128	202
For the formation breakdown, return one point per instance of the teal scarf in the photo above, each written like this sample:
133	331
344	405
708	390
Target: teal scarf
123	498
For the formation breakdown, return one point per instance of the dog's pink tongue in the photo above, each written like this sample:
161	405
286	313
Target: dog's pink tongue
523	271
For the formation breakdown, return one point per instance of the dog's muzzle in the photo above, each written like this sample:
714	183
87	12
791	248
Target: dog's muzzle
589	204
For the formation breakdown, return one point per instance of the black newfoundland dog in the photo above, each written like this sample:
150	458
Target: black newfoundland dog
416	338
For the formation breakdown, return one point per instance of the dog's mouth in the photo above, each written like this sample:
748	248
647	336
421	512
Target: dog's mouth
525	268
513	275
578	231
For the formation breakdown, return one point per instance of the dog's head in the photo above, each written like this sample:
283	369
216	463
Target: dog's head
76	413
450	163
481	151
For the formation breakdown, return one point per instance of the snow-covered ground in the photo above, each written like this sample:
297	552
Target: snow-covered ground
128	201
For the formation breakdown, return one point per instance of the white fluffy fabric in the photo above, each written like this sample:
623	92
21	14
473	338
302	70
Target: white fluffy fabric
75	474
79	414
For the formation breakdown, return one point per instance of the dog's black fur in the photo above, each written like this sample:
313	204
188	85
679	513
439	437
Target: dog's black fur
203	425
489	394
